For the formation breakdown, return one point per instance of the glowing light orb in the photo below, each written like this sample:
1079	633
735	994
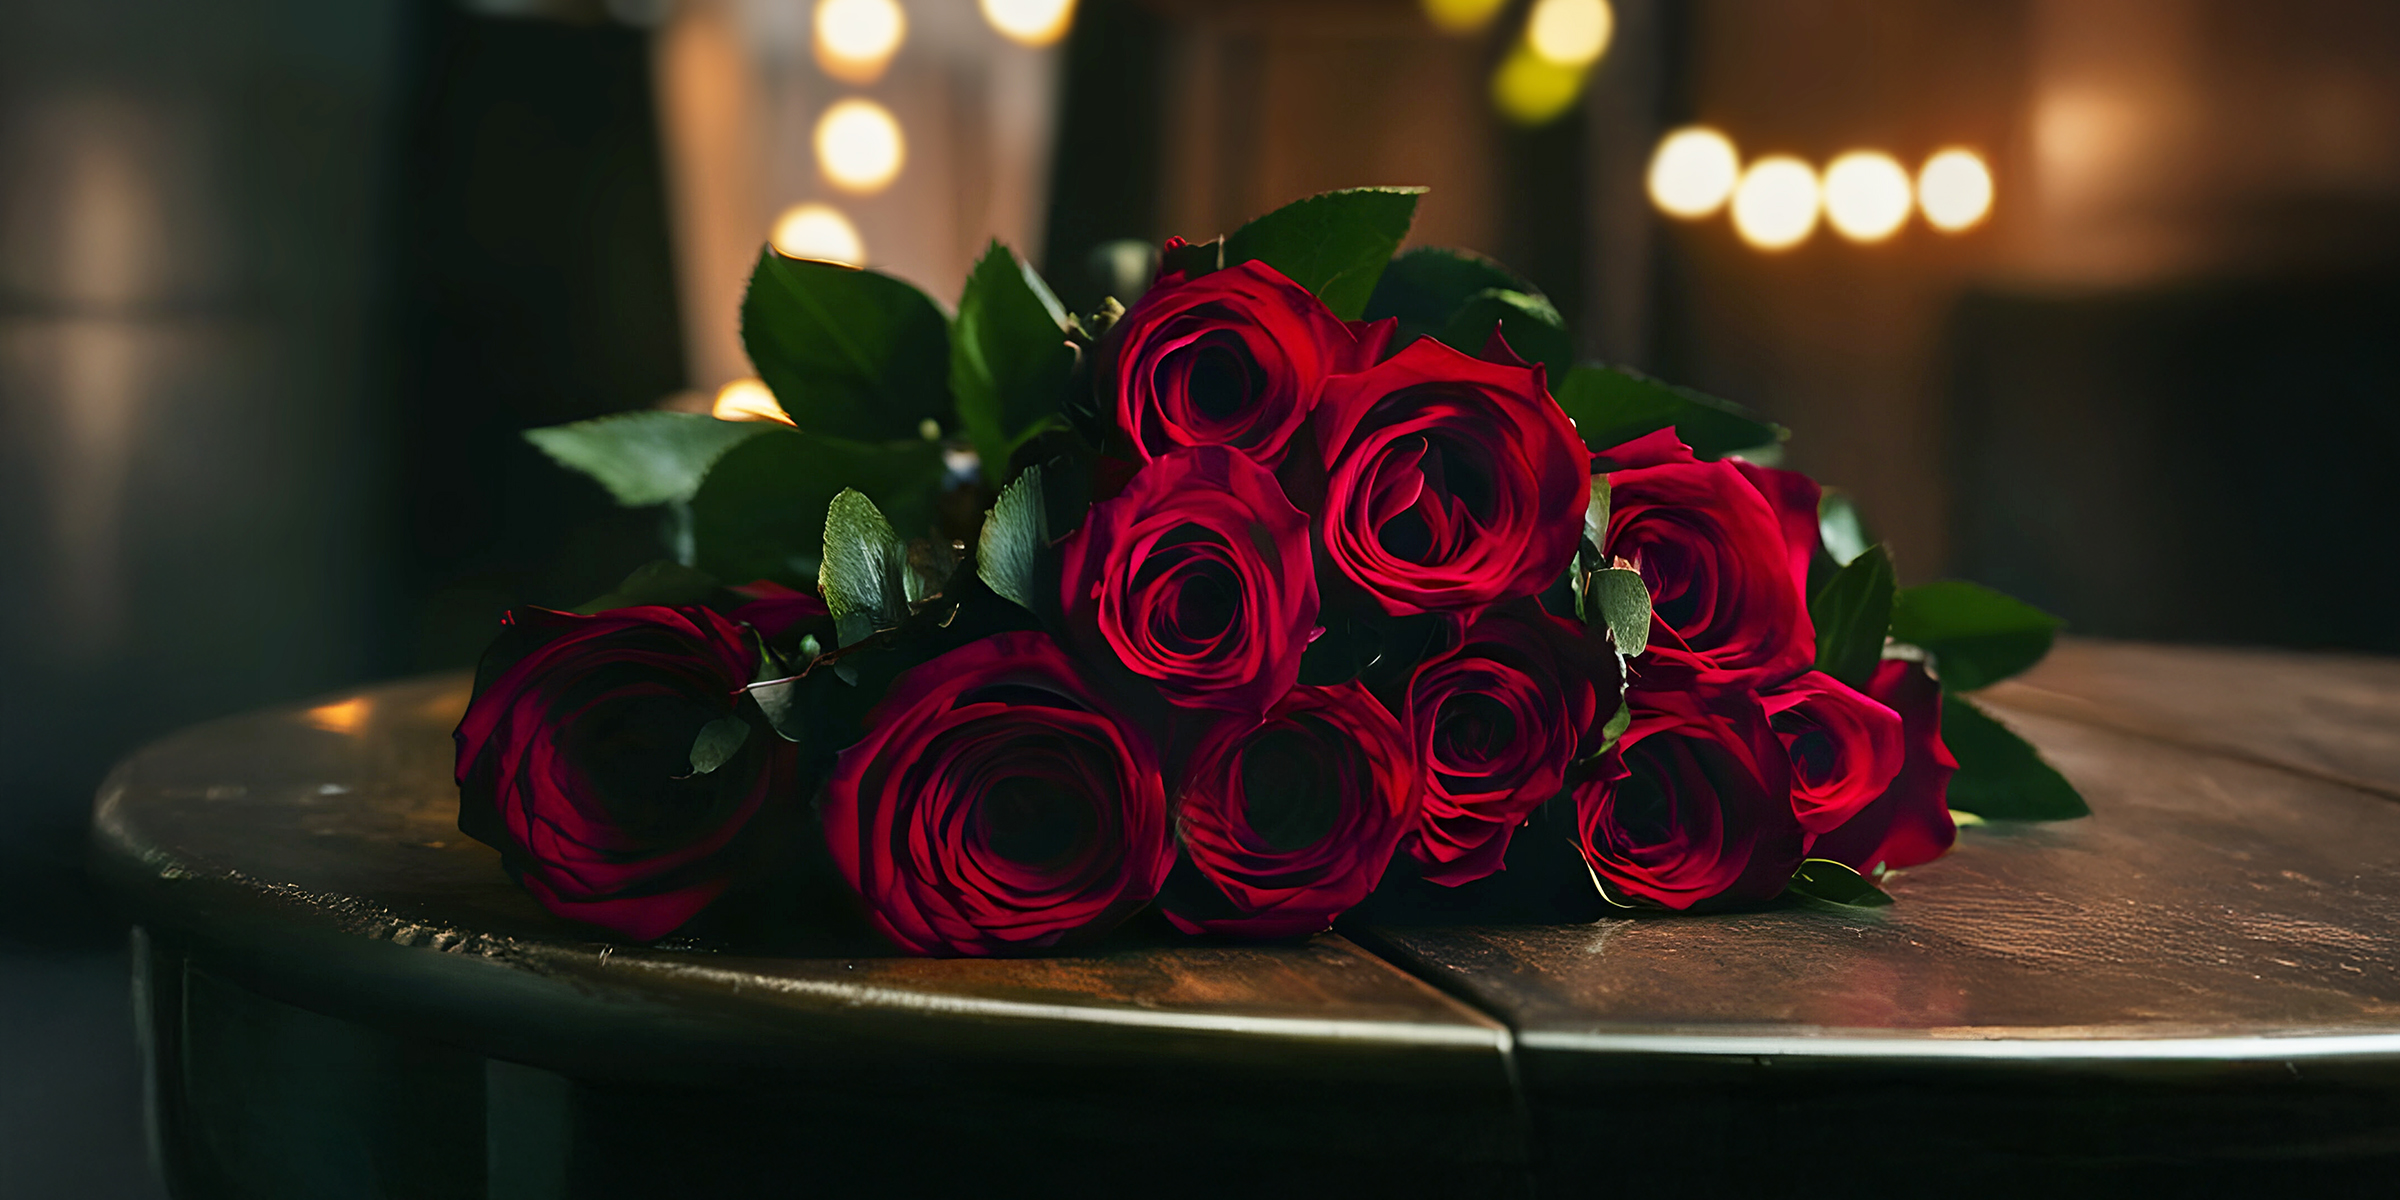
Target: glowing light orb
1570	33
1775	205
1531	90
1030	22
1462	16
1955	190
747	400
1693	171
1867	195
856	39
818	231
859	146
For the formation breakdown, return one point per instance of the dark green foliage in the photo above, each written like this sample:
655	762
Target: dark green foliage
848	353
644	458
2000	776
1335	244
1611	406
1977	636
760	514
1852	613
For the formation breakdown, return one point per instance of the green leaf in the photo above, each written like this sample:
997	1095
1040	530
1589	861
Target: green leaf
1617	724
1840	528
777	689
1424	287
717	743
862	577
760	514
848	353
1015	532
1624	606
663	581
645	458
1852	613
2001	776
1530	323
1614	405
1009	357
1595	514
1335	244
1822	882
1977	636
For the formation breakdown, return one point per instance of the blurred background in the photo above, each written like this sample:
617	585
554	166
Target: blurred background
2096	301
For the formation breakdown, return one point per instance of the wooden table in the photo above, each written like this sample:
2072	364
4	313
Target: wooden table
2197	986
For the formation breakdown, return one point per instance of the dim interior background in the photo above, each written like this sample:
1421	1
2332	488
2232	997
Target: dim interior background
280	282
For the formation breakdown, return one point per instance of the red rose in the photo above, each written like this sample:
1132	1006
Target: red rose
1845	747
777	612
1452	482
1909	823
1494	724
1289	821
1698	807
1198	577
1724	547
996	805
1233	358
574	761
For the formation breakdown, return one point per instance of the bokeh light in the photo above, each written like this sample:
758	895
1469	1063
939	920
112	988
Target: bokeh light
1775	205
856	39
1693	171
1030	22
1531	90
859	145
1955	190
818	231
747	400
1570	33
1867	195
1462	16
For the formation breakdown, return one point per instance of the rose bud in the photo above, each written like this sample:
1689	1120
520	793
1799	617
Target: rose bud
1289	821
1845	747
1909	823
1233	358
1697	808
1452	482
1724	547
1197	578
575	762
1494	724
997	805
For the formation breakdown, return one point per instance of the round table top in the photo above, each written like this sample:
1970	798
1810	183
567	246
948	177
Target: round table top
2234	898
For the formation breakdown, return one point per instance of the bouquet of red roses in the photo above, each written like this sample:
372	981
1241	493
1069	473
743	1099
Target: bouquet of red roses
1318	575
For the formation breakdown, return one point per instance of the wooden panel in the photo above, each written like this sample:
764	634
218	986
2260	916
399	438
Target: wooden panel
311	855
2336	716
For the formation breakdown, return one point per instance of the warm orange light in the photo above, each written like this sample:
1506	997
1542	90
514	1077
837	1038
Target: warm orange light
1462	16
856	39
1531	90
818	231
747	400
1030	22
1693	172
1570	33
1775	205
859	146
1867	195
343	716
1955	190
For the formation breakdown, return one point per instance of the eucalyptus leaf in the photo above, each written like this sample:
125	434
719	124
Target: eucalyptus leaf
663	581
1595	514
1618	723
1839	527
1624	604
1009	357
1823	882
1424	287
1008	551
645	458
848	353
779	699
1977	636
1613	405
861	576
1529	322
1852	613
2001	776
719	740
760	514
1335	244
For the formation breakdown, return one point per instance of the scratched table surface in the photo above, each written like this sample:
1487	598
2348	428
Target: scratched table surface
2203	976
